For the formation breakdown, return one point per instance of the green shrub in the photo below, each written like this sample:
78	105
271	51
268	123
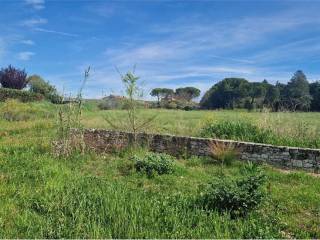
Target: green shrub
236	196
23	96
237	130
151	163
38	85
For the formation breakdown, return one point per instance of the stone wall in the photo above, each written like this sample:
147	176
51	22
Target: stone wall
287	157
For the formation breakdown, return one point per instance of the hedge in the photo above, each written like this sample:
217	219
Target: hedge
22	95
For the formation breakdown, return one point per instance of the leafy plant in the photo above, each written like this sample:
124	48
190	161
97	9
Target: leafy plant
11	77
237	130
151	163
239	196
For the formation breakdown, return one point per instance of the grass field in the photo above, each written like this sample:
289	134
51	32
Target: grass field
101	196
298	129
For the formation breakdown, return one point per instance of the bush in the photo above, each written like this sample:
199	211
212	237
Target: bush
40	86
14	78
240	130
23	96
239	196
151	163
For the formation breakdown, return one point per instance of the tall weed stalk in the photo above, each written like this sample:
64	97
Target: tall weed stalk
69	118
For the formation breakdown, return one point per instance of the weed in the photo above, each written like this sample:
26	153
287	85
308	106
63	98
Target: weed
238	130
224	153
69	117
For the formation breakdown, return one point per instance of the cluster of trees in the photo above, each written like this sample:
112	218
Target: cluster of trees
186	93
13	78
231	93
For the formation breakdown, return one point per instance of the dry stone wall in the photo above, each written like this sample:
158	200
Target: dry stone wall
287	157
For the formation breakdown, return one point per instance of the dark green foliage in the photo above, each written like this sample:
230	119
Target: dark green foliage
151	163
239	196
23	96
272	97
237	130
162	93
14	78
225	94
187	93
298	92
38	85
156	92
315	94
257	90
239	93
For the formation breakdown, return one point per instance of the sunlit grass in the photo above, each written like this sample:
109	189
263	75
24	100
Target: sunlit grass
101	195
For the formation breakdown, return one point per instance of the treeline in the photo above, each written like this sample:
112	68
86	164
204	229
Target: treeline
180	98
297	95
16	84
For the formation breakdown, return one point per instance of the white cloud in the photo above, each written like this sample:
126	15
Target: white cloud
27	42
36	4
34	22
201	53
25	56
56	32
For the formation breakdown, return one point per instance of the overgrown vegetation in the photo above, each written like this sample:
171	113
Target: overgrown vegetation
22	95
237	130
13	110
69	119
102	196
299	135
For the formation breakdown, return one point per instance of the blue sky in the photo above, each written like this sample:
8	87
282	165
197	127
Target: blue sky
172	43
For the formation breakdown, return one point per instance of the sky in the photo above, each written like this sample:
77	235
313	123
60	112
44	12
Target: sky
171	43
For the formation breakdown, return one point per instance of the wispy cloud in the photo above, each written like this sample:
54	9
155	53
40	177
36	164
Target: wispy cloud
25	56
34	22
56	32
27	42
36	4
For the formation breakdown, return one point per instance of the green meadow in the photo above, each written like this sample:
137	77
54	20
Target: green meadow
102	195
